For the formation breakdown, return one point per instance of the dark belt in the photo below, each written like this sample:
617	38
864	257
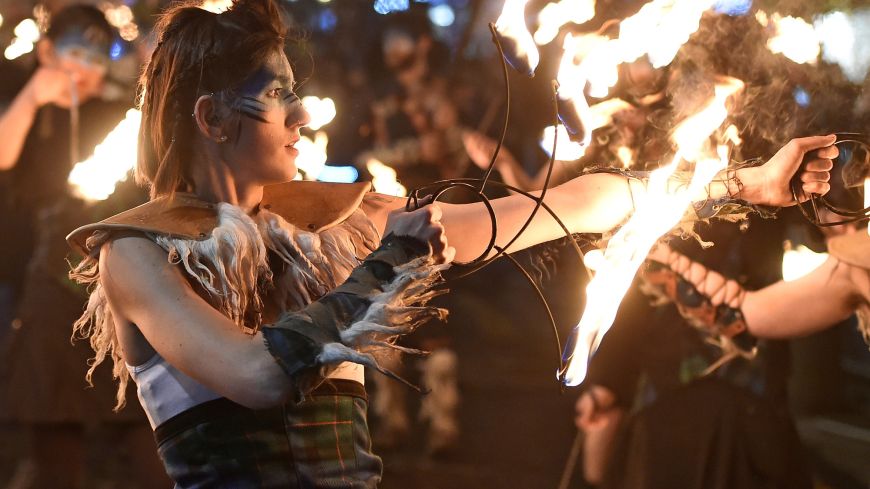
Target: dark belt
222	408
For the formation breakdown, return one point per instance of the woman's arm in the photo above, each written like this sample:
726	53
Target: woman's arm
599	202
261	370
145	290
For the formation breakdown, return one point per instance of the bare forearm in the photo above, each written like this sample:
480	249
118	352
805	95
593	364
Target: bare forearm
591	203
15	123
804	306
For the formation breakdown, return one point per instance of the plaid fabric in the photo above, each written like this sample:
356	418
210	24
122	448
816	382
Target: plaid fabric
321	443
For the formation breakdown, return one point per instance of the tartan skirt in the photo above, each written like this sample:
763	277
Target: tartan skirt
322	442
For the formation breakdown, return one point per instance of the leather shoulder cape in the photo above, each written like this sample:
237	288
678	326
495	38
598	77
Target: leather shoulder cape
853	249
313	206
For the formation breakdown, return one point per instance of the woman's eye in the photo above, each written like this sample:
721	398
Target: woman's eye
274	93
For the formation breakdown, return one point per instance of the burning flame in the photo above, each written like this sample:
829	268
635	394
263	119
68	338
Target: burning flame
312	155
322	111
554	15
26	35
658	30
656	212
799	261
520	50
216	6
625	156
794	38
597	116
95	178
384	179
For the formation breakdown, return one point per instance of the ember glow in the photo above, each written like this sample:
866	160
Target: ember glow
658	30
520	49
26	35
312	155
216	6
322	111
794	38
95	178
554	15
384	179
799	261
657	210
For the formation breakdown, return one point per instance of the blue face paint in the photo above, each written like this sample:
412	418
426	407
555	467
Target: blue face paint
85	47
270	88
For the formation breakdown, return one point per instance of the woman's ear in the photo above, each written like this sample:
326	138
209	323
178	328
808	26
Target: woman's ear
208	114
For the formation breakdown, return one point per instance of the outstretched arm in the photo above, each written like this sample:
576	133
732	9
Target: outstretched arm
599	202
809	304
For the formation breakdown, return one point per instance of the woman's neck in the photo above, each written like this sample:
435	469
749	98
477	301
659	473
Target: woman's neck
215	183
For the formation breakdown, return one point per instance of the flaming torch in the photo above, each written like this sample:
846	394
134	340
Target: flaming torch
95	178
554	15
511	32
658	209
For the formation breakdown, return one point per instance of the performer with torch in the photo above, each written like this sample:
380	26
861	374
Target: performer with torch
243	309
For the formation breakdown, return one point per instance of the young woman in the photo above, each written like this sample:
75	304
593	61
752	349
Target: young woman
233	305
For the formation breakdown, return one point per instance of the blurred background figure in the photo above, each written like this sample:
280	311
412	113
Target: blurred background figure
54	121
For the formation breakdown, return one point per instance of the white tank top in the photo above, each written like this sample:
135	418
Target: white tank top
164	391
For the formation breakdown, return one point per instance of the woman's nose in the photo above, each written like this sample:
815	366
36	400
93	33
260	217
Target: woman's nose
299	117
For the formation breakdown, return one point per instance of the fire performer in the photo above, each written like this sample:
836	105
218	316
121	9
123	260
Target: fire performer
41	386
236	306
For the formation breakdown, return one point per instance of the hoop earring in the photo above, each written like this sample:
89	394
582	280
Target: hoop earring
222	139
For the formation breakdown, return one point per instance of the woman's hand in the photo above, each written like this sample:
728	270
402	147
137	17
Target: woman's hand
50	85
423	224
770	184
595	409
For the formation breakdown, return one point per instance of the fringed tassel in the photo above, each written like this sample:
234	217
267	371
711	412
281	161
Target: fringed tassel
96	324
316	262
230	265
396	311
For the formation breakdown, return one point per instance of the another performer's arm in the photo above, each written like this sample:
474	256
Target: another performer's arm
820	299
45	86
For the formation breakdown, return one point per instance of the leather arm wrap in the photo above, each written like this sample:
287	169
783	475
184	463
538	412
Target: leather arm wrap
718	321
296	339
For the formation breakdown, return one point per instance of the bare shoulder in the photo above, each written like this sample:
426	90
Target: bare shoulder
135	271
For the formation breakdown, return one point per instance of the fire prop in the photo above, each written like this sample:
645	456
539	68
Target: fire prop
95	178
658	210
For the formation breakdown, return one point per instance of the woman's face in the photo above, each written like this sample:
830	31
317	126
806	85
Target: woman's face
260	147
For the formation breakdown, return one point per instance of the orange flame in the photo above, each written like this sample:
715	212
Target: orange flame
384	179
658	209
95	178
794	38
554	15
512	25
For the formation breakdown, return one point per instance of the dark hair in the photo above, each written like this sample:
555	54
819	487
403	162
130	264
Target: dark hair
198	52
85	18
